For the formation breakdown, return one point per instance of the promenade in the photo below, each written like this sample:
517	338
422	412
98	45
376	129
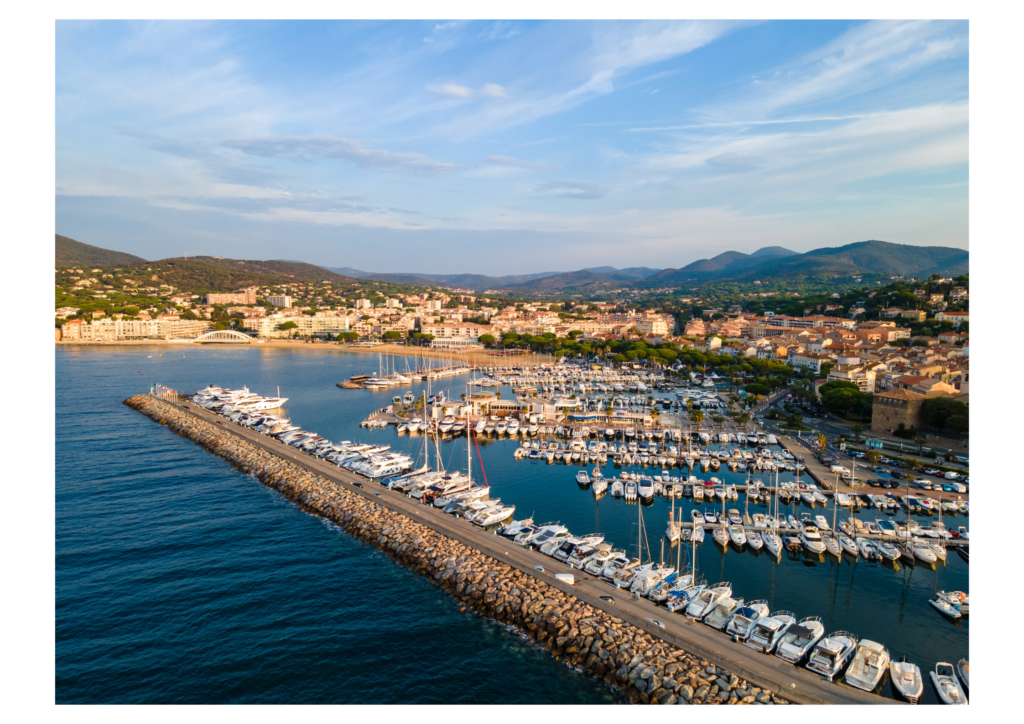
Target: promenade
768	672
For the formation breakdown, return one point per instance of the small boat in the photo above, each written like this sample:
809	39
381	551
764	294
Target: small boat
958	598
947	686
831	655
744	620
706	602
720	617
869	665
799	640
737	535
945	607
769	631
906	679
963	670
583	478
888	550
721	535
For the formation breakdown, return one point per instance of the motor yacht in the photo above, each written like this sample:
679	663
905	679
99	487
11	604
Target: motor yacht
831	655
946	684
602	554
906	679
721	534
798	641
961	600
708	600
544	535
722	614
811	540
494	515
620	562
869	665
768	631
515	528
737	535
645	582
745	619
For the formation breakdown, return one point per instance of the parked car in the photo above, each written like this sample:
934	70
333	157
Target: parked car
898	475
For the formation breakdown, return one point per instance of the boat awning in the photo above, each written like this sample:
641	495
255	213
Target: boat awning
800	631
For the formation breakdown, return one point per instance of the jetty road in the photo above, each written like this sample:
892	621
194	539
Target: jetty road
768	672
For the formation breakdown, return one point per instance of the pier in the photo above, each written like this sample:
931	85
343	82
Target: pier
633	644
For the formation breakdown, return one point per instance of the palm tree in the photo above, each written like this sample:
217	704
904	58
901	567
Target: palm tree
821	440
697	417
857	430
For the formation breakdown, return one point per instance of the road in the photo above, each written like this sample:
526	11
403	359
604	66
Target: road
767	672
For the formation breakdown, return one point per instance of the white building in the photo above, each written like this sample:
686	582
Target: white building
280	300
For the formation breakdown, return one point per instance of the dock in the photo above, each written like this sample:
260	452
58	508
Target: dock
767	672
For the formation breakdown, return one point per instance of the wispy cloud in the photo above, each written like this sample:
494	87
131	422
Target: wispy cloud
305	148
570	190
454	90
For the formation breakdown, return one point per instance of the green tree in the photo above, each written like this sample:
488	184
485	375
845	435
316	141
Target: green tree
347	337
873	457
958	423
487	339
392	335
857	430
287	325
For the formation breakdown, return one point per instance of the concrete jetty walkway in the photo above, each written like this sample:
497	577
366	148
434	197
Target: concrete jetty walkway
767	672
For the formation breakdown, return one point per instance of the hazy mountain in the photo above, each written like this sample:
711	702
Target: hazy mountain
74	253
480	282
864	257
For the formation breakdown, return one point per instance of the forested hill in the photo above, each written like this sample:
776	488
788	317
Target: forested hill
69	252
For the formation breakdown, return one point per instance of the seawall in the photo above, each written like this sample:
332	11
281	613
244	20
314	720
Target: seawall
644	669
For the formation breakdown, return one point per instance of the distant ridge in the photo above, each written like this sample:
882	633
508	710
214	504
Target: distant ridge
862	257
480	282
69	252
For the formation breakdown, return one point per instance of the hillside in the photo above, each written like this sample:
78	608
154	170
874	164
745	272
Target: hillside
294	270
74	253
864	257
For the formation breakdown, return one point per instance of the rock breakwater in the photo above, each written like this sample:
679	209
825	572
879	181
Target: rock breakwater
643	668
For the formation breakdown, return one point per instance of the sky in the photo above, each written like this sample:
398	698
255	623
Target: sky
509	147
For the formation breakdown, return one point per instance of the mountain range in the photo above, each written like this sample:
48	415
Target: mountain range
481	282
772	263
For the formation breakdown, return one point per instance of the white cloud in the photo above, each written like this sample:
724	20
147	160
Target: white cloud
454	90
305	147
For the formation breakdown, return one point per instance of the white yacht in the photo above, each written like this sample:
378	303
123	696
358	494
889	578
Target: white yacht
745	619
811	540
722	614
832	653
708	600
769	631
869	665
800	639
583	478
737	535
513	428
947	686
494	515
907	679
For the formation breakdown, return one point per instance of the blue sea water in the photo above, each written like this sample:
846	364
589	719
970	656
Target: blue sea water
181	580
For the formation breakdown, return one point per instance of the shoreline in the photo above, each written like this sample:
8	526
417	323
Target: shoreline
473	357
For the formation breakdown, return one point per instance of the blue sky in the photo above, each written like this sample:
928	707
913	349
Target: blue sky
509	147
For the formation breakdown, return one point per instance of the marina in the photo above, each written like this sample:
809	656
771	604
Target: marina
501	475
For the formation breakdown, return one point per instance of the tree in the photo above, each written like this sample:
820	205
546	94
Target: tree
287	325
574	334
873	457
697	417
958	423
347	337
220	326
487	339
392	335
936	411
857	430
821	440
840	396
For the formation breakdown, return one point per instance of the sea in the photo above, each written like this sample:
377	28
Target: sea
181	580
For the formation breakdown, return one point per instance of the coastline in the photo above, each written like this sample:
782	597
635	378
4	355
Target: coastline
473	357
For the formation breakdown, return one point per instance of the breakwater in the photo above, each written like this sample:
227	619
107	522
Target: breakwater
644	668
